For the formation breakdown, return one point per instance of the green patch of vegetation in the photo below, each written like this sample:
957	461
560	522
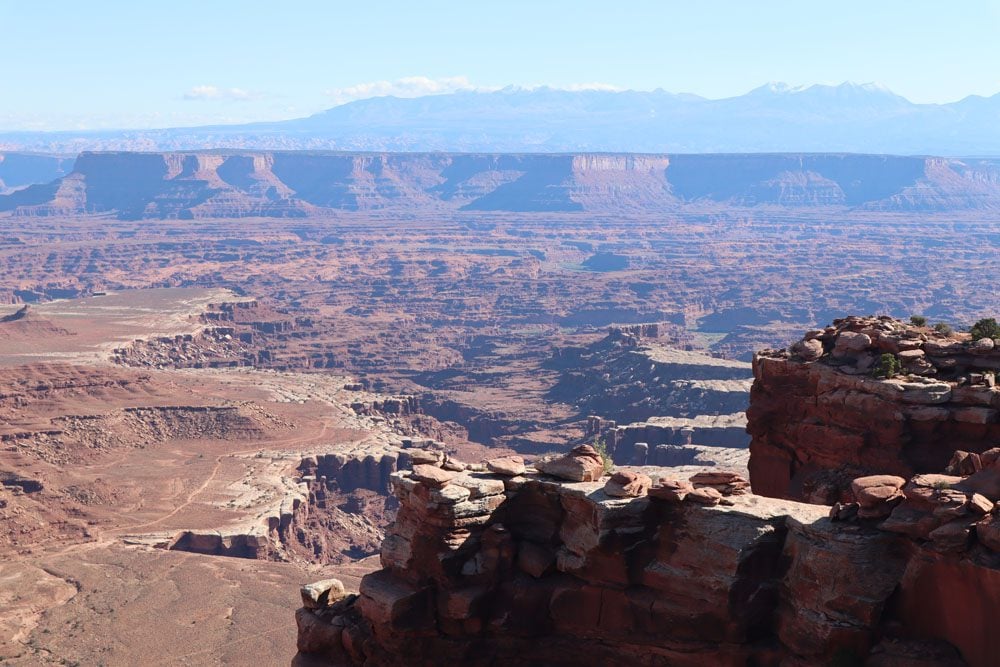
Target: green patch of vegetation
888	366
941	486
985	328
602	449
944	328
918	320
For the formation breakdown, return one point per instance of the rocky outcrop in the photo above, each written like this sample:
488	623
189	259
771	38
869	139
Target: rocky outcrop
482	569
824	411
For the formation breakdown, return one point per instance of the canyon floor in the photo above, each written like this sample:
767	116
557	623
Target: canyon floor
176	391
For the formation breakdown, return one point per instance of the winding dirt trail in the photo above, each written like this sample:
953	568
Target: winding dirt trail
215	470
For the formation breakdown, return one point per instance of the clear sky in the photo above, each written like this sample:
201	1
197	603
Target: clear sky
155	63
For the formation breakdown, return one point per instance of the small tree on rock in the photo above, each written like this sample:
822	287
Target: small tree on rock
888	366
985	328
602	449
943	328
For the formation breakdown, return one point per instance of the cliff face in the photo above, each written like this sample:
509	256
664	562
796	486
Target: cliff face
298	184
19	170
818	417
482	569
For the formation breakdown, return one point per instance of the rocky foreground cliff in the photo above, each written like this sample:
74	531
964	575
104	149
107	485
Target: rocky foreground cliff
563	565
222	184
887	428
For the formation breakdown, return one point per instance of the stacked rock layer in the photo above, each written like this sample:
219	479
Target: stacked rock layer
826	410
486	568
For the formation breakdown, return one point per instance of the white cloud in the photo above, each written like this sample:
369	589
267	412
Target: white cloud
418	86
215	93
410	86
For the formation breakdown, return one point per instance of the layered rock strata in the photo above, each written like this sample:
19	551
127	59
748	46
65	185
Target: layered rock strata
234	183
310	502
531	569
823	411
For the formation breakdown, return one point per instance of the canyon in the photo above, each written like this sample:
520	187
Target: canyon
223	373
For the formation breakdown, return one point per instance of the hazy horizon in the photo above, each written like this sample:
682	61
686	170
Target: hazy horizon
187	64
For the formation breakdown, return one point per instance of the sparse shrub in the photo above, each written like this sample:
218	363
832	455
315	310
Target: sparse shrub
985	328
888	366
943	328
602	449
918	320
941	486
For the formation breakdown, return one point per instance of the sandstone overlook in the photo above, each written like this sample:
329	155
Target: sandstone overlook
538	569
819	416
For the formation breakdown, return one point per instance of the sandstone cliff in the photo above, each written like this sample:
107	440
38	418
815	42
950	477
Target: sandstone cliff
818	417
19	170
233	183
529	569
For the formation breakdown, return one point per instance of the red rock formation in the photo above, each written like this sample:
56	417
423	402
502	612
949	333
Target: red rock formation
819	421
530	570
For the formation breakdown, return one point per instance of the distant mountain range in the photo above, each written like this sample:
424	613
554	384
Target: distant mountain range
773	118
296	184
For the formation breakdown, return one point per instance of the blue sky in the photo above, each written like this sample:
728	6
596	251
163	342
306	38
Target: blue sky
152	63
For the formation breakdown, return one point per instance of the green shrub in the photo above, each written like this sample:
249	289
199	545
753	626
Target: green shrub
602	449
888	366
944	328
985	328
918	320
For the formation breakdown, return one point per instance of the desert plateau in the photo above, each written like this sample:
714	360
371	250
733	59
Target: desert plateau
213	404
549	334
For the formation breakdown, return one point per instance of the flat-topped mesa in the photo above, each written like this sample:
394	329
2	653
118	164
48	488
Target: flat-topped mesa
868	395
522	568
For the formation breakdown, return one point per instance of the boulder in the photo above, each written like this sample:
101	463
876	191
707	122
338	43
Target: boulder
627	484
877	490
809	349
507	466
454	465
705	496
986	482
425	456
322	594
432	475
980	504
952	536
843	511
581	464
988	532
990	457
713	477
671	490
850	343
964	463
